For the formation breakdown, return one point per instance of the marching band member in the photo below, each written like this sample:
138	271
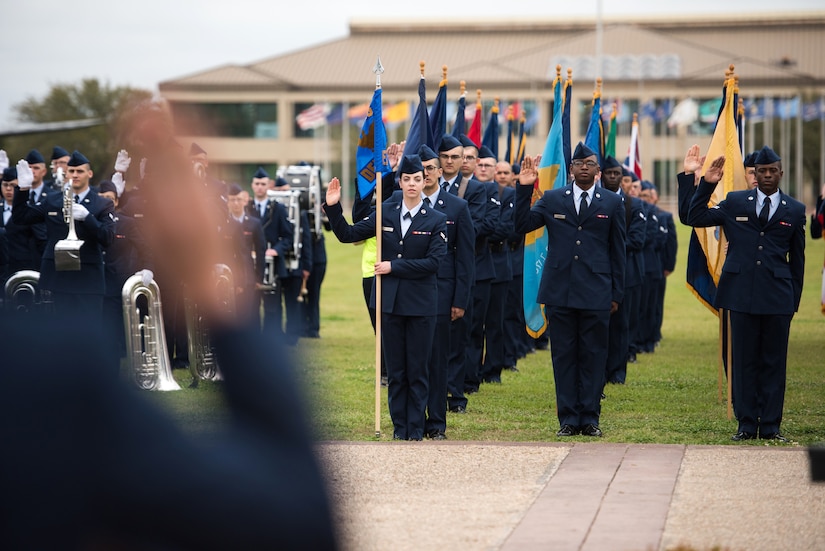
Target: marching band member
75	292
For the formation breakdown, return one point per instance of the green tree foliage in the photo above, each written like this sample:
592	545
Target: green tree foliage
67	102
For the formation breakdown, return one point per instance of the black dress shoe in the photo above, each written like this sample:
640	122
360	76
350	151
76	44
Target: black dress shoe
496	380
631	358
591	430
742	435
469	391
774	436
458	409
436	435
512	368
567	430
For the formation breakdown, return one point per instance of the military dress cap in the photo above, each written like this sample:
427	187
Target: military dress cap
78	159
486	153
233	189
766	156
611	162
516	168
449	142
582	152
280	182
106	185
35	157
646	184
466	141
10	174
750	159
410	164
58	152
426	153
195	149
260	173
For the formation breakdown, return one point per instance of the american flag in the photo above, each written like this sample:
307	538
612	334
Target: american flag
633	162
313	117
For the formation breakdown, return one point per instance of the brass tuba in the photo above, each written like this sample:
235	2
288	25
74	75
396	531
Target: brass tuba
23	294
202	361
145	337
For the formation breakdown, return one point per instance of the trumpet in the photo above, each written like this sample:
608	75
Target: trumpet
67	251
145	337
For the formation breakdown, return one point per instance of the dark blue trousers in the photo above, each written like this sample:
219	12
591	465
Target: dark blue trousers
578	346
407	341
759	353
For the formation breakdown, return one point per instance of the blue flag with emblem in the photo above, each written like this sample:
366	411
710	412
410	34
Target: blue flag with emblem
594	139
371	155
438	114
552	174
490	138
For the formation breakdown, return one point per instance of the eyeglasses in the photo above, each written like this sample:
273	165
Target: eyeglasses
450	157
470	157
430	168
485	165
588	164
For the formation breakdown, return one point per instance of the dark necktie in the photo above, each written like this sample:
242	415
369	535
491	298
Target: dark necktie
77	198
427	202
407	216
765	213
583	205
32	197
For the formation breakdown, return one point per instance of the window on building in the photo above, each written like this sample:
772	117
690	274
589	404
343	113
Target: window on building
234	120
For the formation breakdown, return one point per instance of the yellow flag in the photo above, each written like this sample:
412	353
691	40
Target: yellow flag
725	142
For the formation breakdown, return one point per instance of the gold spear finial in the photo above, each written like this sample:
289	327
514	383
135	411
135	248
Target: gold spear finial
495	105
478	98
462	87
421	65
558	71
443	76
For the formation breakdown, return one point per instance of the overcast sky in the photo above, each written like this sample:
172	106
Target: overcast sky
144	42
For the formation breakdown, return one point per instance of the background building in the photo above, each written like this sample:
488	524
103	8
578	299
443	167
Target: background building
664	69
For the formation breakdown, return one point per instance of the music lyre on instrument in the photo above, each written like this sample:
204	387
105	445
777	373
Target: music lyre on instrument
67	251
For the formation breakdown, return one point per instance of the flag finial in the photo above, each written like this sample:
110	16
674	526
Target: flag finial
496	108
421	65
378	69
558	71
478	98
443	76
462	87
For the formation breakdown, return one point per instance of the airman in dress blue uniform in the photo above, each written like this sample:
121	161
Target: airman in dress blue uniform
414	240
582	282
760	284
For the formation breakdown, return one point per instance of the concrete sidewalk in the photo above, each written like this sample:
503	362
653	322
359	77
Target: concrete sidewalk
590	496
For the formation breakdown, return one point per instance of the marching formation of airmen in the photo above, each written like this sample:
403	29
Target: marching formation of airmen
453	231
69	247
467	309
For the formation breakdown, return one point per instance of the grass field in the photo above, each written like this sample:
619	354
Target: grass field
671	396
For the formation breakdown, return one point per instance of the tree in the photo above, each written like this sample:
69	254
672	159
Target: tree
65	102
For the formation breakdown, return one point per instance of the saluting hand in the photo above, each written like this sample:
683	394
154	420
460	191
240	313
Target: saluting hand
119	182
4	160
715	171
529	170
333	192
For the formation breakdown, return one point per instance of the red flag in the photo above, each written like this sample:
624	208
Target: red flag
474	133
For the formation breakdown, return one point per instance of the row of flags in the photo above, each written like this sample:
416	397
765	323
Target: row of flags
394	115
676	114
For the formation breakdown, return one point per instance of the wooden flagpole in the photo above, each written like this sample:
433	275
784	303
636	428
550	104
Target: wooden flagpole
378	69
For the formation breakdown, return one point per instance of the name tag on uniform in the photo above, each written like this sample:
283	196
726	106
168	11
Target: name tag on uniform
53	213
741	218
387	228
560	217
421	232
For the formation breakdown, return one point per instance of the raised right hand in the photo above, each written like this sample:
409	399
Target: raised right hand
693	162
333	192
715	171
25	176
